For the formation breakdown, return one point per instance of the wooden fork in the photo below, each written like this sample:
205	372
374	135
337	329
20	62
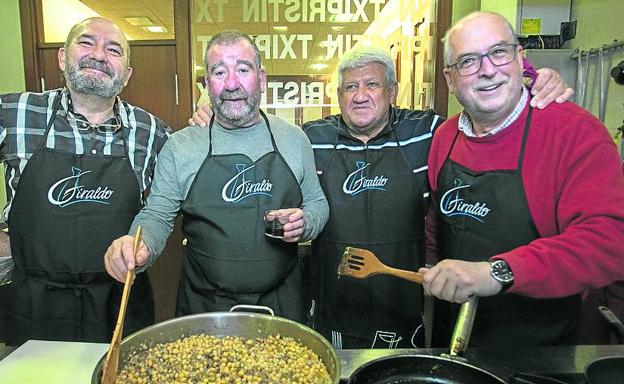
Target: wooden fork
109	372
362	263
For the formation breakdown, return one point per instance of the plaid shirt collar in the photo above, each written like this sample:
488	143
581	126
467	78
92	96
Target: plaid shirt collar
465	124
120	114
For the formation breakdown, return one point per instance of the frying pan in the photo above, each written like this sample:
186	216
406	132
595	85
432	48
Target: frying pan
610	369
408	369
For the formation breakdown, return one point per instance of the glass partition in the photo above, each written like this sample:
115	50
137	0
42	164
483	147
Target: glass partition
301	42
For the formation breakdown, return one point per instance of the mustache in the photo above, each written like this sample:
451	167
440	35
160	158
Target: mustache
94	64
234	95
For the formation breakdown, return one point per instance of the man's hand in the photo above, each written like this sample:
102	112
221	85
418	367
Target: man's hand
293	221
120	257
202	116
456	281
549	86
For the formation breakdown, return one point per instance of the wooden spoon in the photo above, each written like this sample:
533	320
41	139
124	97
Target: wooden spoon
109	372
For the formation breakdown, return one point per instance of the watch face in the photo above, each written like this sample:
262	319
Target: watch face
501	271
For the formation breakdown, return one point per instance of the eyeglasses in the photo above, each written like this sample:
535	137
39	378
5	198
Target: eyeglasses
499	55
84	125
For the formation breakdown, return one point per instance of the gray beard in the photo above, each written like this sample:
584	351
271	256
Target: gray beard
84	84
236	118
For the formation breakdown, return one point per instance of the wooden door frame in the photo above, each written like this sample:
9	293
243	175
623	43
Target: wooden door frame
31	18
444	14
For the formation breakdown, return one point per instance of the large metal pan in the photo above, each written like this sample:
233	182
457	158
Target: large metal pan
246	325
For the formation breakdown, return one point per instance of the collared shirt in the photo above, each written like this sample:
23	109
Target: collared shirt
24	117
465	124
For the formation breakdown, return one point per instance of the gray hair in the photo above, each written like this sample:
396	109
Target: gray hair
77	28
229	38
459	24
361	56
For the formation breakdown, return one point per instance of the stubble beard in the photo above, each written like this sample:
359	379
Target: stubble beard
82	83
236	117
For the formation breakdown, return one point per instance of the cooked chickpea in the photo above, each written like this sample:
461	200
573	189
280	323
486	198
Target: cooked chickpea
227	360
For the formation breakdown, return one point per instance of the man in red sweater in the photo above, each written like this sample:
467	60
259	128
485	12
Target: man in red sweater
529	202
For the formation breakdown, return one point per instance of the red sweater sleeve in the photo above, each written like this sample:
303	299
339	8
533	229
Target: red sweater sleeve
440	145
575	190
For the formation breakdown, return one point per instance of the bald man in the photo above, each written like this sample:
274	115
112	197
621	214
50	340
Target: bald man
78	161
530	202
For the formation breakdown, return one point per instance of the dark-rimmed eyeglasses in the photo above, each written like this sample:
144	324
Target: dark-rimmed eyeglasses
499	55
84	125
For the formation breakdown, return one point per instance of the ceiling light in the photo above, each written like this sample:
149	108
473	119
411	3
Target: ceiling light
155	29
280	28
140	21
318	66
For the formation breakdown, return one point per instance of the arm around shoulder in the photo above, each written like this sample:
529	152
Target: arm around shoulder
315	206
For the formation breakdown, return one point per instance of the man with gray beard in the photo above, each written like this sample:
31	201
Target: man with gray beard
79	161
224	179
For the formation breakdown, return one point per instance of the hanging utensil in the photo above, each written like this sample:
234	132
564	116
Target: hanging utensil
111	364
362	263
580	80
582	77
602	106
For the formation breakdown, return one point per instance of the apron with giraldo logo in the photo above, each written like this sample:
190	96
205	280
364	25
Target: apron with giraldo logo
228	259
67	210
483	214
375	202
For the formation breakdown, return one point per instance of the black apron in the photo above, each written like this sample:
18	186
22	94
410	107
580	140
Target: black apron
67	210
376	202
483	214
228	259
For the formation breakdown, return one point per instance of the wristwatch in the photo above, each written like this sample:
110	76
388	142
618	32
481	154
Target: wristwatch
500	271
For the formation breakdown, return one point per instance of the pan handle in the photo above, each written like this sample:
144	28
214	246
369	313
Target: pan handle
614	323
463	327
252	308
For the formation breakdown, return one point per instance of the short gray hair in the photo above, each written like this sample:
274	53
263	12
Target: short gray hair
361	56
459	24
229	38
76	29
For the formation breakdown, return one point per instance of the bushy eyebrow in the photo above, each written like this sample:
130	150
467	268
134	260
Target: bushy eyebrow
246	62
238	62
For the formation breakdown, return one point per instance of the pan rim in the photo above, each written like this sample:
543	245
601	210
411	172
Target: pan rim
460	361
